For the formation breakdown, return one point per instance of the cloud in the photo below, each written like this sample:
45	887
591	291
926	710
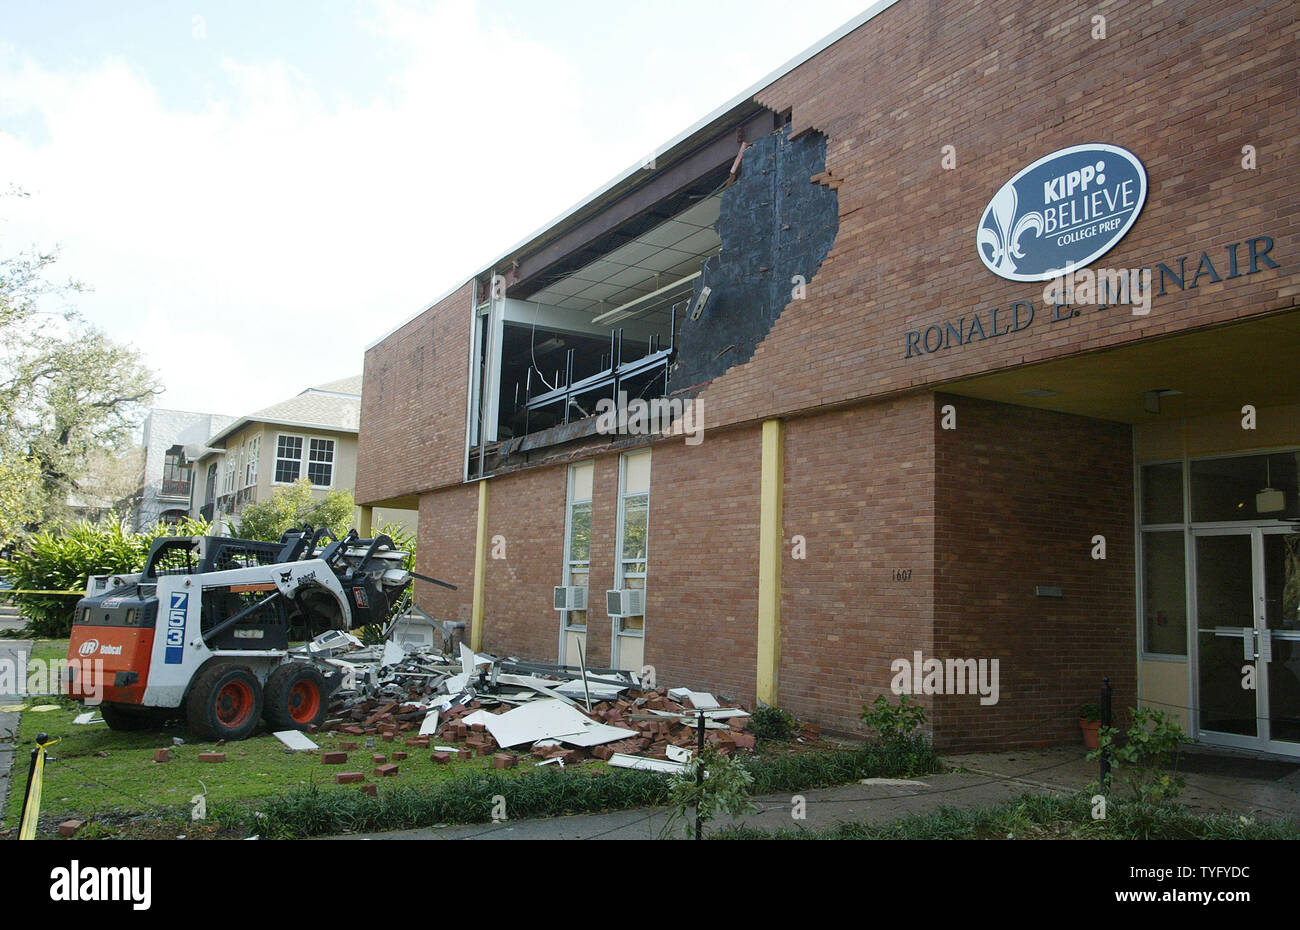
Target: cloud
253	240
268	235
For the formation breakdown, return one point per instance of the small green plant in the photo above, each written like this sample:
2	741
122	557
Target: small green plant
1150	747
772	723
896	724
724	790
1090	712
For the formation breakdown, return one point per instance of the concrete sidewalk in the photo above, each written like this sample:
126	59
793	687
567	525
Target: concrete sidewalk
1066	768
877	800
977	780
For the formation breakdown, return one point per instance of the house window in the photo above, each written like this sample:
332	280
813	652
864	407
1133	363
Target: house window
176	473
250	462
228	474
288	459
320	463
297	457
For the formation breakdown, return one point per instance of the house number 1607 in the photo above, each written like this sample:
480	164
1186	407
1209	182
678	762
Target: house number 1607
902	574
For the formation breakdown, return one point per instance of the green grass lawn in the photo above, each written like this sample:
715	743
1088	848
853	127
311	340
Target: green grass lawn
109	780
94	772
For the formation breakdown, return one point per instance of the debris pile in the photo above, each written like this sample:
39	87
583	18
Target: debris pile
480	705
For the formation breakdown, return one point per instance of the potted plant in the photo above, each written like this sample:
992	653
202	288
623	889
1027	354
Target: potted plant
1089	721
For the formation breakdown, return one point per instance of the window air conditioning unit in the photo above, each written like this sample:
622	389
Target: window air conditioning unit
625	602
570	597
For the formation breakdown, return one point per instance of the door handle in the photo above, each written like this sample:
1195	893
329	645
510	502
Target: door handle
1265	645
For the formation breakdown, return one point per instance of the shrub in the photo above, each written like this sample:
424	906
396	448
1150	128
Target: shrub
772	723
1150	745
724	790
292	506
64	557
896	724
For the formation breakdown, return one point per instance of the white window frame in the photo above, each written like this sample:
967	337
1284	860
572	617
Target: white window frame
304	458
228	473
251	461
621	574
569	565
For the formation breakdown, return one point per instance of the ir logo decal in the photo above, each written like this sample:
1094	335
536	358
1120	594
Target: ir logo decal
89	647
1064	211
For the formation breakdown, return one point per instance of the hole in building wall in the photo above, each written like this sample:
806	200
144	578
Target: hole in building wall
623	322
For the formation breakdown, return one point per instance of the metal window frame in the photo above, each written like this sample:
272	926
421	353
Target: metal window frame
566	564
620	572
1190	530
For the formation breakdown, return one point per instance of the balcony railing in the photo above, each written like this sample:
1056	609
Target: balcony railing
174	488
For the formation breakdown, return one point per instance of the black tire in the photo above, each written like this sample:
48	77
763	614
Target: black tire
225	702
297	697
128	718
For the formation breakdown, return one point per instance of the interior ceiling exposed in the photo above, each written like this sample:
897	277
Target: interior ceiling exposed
1212	370
666	253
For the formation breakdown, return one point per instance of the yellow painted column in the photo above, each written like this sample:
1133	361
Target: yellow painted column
366	523
771	539
480	568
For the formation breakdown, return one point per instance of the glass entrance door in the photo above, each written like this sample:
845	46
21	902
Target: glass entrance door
1279	637
1248	637
1226	701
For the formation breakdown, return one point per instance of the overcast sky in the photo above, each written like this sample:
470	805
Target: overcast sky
254	192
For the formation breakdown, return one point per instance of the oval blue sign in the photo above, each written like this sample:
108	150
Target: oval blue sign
1064	211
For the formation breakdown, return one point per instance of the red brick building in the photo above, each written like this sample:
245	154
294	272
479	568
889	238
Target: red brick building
876	432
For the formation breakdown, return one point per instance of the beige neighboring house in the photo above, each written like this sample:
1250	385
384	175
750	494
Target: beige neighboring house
311	435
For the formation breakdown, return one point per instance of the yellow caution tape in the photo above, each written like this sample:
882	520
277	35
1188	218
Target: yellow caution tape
26	591
32	808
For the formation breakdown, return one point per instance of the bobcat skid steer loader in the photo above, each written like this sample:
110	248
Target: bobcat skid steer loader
205	629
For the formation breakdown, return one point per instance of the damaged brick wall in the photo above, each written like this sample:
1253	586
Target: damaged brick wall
1182	85
775	224
1019	495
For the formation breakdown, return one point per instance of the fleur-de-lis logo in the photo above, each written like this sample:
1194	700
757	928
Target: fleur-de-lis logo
1002	229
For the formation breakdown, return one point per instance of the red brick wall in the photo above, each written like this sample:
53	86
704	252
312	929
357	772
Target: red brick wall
1182	85
979	515
413	404
859	487
702	589
1019	495
528	510
448	525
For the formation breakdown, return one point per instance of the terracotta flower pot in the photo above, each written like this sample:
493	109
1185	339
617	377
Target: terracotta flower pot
1089	728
